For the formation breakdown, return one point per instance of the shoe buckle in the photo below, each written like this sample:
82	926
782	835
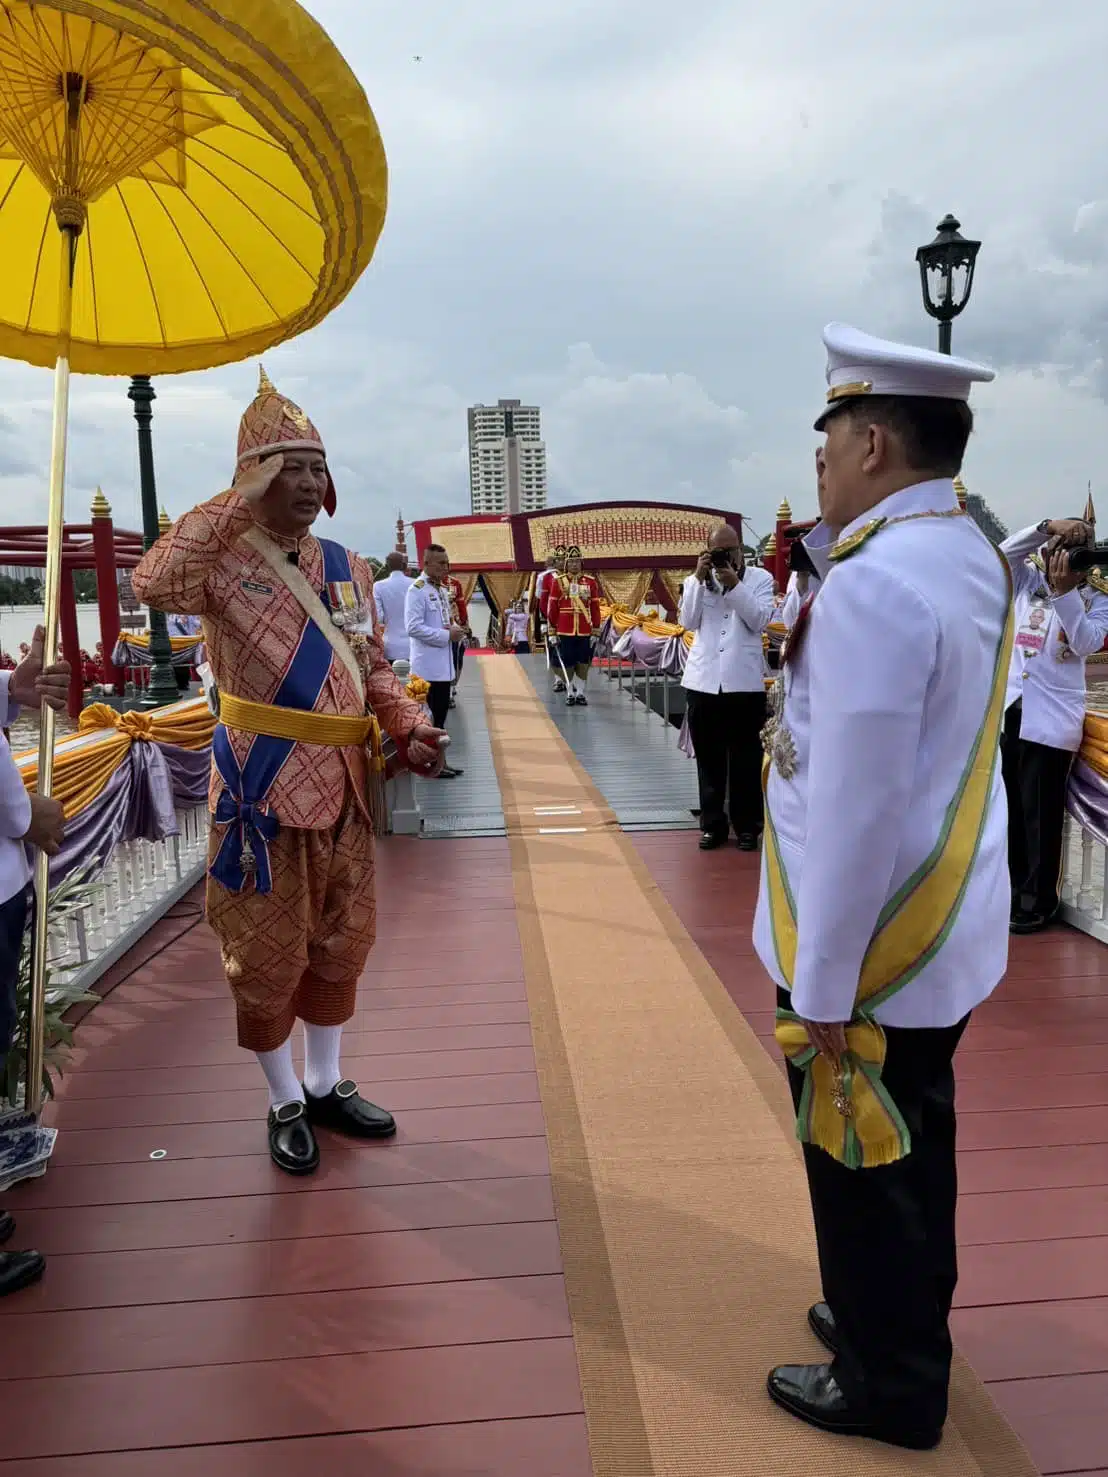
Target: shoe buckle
346	1089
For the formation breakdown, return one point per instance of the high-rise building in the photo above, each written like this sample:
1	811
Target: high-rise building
507	458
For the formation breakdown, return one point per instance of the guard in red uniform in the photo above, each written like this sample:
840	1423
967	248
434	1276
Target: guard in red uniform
459	614
544	588
573	611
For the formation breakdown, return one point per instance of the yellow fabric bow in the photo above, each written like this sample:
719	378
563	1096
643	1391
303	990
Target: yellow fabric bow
847	1111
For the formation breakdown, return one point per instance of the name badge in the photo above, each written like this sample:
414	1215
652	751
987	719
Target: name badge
255	587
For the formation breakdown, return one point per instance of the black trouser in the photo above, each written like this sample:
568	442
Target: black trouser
438	700
1035	778
13	920
888	1253
459	650
726	728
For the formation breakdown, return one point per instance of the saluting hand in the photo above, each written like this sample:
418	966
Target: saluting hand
252	486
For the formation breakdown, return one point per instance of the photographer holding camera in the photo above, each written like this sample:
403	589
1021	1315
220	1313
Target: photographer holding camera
728	606
1061	619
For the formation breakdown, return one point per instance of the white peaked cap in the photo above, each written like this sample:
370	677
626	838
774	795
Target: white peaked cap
859	364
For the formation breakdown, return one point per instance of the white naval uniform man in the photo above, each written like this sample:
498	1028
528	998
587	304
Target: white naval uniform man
389	597
872	906
431	634
1061	618
728	604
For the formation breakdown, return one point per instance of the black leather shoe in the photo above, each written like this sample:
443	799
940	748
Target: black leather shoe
19	1269
1023	922
7	1226
809	1392
747	841
292	1145
344	1110
821	1321
711	840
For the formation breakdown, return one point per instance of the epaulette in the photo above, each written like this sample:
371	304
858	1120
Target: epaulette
419	584
853	542
1097	581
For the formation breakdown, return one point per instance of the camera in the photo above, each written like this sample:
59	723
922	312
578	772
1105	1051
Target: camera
1088	557
723	558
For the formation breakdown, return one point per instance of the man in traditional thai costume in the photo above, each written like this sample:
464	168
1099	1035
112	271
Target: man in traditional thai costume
297	777
883	912
574	613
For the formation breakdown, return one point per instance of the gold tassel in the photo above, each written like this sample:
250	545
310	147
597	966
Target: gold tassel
376	800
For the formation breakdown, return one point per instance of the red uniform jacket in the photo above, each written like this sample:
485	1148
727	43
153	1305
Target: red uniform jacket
459	608
572	614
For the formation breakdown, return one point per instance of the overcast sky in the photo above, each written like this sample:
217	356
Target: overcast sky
640	216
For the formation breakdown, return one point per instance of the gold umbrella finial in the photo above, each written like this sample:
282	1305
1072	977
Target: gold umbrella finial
101	508
960	491
165	523
265	384
1090	509
770	549
784	512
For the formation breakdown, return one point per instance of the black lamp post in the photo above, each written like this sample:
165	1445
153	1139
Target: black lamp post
946	275
163	680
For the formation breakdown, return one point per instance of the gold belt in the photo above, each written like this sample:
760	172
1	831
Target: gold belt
331	730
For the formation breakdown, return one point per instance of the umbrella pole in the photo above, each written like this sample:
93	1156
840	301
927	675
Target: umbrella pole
36	1022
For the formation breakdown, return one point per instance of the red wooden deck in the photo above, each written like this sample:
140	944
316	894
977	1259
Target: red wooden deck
1032	1307
403	1314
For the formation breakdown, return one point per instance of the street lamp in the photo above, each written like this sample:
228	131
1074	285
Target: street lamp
946	275
163	680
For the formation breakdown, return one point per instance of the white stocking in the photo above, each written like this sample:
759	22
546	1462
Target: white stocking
321	1058
284	1085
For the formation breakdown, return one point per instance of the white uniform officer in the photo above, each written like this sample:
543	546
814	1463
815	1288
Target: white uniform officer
389	597
1061	618
431	634
883	910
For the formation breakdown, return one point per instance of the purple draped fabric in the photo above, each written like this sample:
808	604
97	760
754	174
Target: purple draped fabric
1087	800
127	654
138	802
662	654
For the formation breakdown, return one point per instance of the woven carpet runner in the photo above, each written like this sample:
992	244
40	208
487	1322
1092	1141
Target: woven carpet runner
683	1213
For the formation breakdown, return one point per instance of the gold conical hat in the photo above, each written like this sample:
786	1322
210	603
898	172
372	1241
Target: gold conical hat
272	422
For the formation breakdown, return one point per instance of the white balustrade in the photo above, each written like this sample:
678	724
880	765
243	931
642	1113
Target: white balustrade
1084	899
139	882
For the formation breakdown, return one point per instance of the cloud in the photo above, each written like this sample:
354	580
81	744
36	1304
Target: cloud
640	218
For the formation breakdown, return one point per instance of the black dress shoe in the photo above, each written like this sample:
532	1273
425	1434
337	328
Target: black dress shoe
809	1392
344	1110
7	1226
582	700
711	840
19	1269
1024	922
292	1145
747	841
821	1321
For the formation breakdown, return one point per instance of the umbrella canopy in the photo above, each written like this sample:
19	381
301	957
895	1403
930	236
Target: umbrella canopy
225	173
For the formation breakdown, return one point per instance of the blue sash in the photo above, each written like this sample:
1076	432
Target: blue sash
243	799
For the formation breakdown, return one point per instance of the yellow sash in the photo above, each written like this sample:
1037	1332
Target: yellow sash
848	1112
332	730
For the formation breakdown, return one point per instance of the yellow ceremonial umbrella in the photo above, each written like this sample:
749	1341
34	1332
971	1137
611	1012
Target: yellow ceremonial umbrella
179	188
